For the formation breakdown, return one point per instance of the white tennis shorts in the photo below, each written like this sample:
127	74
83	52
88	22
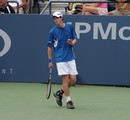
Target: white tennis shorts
65	68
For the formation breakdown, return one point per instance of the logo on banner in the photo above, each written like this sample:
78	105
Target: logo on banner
99	31
7	42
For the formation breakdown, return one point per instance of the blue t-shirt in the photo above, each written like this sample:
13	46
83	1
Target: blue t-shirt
58	38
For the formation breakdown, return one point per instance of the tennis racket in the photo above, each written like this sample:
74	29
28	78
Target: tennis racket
48	88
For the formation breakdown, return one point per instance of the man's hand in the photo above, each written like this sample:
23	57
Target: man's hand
71	42
50	65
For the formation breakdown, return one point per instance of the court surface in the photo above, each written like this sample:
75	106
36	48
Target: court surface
26	101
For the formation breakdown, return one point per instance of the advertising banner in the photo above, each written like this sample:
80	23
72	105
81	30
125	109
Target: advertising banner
102	49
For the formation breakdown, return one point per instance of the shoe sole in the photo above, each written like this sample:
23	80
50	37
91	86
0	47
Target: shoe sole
71	108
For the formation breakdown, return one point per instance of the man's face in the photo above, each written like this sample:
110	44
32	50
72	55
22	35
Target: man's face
57	20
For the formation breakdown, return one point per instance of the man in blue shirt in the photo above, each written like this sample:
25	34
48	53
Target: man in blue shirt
61	39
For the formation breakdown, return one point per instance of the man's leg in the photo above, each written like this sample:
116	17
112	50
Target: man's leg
115	12
91	10
66	85
72	80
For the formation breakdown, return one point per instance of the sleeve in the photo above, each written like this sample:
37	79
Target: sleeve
51	39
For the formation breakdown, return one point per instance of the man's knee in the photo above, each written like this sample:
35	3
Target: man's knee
72	80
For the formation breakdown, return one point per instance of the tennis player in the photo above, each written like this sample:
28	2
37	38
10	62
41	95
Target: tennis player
61	39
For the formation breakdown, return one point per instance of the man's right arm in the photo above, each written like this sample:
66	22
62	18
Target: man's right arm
50	64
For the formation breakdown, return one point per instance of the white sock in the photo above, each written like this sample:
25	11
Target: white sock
68	98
